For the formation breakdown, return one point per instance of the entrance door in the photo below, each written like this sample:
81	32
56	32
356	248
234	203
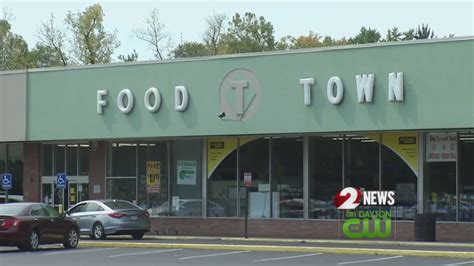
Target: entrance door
77	190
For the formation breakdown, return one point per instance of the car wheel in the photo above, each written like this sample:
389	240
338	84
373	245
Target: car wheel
137	236
98	232
32	241
72	239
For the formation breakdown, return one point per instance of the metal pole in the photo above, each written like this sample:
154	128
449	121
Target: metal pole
246	211
6	195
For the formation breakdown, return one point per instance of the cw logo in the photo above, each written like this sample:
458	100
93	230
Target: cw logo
239	95
364	229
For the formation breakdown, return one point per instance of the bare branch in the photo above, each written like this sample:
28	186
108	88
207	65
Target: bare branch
214	31
154	34
52	36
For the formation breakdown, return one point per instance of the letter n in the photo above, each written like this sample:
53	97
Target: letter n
395	87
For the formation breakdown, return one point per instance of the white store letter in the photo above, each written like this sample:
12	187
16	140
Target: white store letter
181	98
307	82
335	99
395	87
100	101
125	109
365	87
156	93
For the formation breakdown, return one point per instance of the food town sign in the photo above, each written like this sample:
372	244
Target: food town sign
238	81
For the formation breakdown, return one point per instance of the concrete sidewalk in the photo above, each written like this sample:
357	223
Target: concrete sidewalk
366	247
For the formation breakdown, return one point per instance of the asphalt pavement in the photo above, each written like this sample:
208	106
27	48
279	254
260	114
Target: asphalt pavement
54	255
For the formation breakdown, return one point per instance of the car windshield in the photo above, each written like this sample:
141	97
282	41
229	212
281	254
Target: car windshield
120	205
11	209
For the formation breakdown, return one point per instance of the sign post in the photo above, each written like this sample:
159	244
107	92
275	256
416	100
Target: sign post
247	184
61	182
7	183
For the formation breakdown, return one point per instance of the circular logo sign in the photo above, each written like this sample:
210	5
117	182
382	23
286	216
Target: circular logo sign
239	95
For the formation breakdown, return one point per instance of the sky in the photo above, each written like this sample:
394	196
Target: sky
185	20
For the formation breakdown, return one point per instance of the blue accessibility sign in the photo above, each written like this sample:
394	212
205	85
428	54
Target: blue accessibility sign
61	181
7	181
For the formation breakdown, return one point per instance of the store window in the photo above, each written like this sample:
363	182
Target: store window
325	175
287	177
153	177
83	159
362	164
11	161
71	162
185	179
122	188
254	161
440	175
466	176
46	160
399	172
59	159
222	190
122	160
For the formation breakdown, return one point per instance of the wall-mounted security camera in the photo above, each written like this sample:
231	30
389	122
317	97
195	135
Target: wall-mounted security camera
221	115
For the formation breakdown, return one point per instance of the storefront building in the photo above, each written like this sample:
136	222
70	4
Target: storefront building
180	137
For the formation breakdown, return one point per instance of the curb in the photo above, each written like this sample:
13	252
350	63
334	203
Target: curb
314	241
330	250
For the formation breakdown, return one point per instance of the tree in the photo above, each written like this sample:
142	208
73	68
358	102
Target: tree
154	35
133	57
191	49
286	43
303	41
91	44
51	39
13	49
45	56
424	32
366	35
248	34
409	35
393	35
214	31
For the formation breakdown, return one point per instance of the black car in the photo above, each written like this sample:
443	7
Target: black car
27	225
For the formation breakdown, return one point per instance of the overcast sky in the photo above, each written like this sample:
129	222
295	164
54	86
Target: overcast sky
186	19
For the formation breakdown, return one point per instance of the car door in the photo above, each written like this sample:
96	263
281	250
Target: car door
78	214
92	214
59	228
41	223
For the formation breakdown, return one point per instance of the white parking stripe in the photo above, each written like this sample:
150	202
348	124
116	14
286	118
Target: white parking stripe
144	253
214	255
460	263
77	251
291	257
362	261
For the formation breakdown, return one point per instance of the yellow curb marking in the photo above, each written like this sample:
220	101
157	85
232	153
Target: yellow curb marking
330	250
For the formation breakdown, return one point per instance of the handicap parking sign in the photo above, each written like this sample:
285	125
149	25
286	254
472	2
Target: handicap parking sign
7	181
61	181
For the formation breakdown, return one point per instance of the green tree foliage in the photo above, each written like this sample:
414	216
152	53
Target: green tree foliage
191	49
304	41
248	34
13	49
393	35
366	35
154	35
424	32
91	44
213	34
51	44
133	57
45	56
409	35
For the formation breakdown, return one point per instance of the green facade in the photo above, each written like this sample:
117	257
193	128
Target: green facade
438	88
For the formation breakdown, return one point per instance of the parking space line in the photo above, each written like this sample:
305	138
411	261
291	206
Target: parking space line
144	253
77	251
290	257
460	263
214	255
362	261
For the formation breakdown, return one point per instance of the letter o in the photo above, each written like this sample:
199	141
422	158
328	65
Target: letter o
335	99
125	109
152	108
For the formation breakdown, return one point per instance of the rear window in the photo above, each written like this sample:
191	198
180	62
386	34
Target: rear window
12	209
120	205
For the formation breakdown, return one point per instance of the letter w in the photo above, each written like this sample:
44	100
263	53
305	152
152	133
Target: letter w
365	87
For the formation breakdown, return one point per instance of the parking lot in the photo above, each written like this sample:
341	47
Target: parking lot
53	255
